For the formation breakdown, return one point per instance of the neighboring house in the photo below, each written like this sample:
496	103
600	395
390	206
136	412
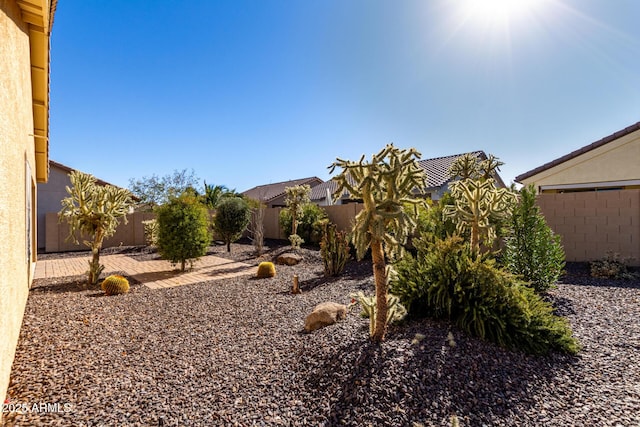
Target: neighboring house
591	197
610	163
50	195
24	157
273	195
437	170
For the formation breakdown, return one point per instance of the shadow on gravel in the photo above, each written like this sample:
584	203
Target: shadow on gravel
403	381
70	284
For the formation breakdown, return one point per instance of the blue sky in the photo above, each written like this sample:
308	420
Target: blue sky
252	92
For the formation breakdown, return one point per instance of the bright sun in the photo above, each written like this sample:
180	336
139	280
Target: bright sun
492	13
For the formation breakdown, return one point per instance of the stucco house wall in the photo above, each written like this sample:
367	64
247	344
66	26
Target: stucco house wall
591	197
24	36
612	162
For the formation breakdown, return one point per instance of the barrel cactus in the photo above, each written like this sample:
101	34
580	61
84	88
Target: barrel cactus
266	269
115	284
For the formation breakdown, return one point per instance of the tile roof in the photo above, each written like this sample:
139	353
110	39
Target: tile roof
437	170
269	192
68	169
578	152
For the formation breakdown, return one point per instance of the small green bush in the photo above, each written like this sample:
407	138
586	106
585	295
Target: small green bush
183	230
532	250
612	266
334	249
232	218
449	281
309	224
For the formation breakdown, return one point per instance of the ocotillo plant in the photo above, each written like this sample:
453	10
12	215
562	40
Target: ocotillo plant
94	210
385	186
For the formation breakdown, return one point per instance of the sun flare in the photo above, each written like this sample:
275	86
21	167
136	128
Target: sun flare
499	12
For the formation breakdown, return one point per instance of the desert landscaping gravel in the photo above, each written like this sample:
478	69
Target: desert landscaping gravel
232	353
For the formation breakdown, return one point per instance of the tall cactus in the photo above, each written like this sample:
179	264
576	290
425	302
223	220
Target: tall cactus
297	197
94	210
477	199
385	185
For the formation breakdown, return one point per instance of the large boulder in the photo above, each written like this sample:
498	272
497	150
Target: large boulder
324	314
289	258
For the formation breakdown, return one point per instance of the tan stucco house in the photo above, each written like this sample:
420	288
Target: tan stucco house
25	27
273	195
591	197
610	163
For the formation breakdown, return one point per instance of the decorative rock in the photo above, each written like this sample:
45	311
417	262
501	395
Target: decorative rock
324	314
289	259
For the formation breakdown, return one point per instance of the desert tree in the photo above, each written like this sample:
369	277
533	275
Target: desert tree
231	219
154	190
214	193
94	210
386	186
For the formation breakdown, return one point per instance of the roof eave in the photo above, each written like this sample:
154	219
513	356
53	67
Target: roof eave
578	152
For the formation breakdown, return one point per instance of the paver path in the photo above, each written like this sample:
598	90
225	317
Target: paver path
154	274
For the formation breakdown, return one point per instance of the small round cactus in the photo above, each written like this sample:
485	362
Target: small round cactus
115	284
266	269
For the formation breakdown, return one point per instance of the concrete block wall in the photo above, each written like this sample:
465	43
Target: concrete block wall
592	223
130	234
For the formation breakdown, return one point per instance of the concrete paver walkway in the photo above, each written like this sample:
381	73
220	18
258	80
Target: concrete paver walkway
154	274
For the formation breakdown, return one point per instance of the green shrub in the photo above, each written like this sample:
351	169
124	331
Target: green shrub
450	281
232	218
612	266
183	230
431	224
334	249
532	250
309	223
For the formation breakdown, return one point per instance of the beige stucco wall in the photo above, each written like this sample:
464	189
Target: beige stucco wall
16	151
618	160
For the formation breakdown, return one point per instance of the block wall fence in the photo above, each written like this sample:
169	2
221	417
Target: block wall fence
592	223
589	223
132	233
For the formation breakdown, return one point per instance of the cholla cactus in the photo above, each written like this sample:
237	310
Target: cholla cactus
385	185
395	310
297	197
94	210
334	248
477	201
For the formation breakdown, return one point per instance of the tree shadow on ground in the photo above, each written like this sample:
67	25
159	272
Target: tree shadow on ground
61	285
427	382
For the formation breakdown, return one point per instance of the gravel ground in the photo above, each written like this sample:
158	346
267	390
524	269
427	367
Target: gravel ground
232	352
